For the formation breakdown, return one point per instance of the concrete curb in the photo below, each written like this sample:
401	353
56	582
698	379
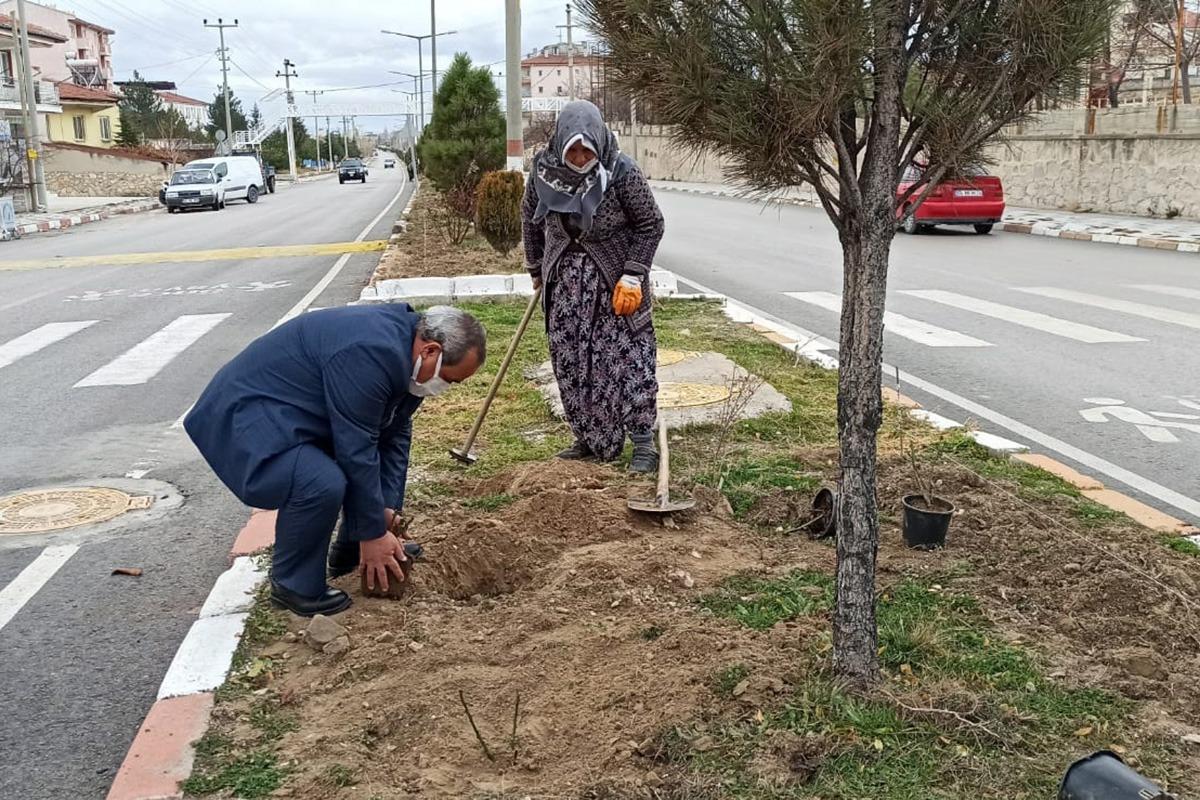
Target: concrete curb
72	220
162	753
811	347
1032	228
476	287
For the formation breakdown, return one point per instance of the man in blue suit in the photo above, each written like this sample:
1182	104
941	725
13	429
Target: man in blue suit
315	419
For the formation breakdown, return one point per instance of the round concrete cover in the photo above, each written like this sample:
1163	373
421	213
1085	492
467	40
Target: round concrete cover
668	357
46	510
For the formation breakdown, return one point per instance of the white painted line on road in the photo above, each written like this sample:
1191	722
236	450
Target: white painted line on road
322	284
1157	313
202	660
1170	291
147	358
29	343
912	329
1144	485
1023	317
234	590
14	596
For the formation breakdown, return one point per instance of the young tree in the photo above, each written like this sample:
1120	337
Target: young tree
844	95
216	115
140	107
255	116
465	138
1175	26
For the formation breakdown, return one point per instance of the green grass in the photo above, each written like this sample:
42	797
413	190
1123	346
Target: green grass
651	633
1181	544
1033	483
340	776
759	603
492	502
1016	731
264	624
256	774
747	480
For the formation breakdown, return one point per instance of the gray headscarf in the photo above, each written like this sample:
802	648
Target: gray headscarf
560	188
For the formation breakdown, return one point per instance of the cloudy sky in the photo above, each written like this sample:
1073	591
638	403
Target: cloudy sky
334	43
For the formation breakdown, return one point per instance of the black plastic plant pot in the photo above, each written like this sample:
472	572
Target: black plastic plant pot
824	505
925	525
1104	776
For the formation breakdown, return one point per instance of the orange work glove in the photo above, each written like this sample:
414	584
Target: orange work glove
627	297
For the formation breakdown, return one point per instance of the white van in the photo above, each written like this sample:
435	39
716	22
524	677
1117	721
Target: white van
241	177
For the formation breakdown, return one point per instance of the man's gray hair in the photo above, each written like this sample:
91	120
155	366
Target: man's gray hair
456	331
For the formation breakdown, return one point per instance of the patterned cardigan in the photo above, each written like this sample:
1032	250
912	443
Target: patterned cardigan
626	230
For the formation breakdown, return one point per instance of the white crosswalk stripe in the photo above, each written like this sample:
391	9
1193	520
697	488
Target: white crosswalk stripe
29	343
1023	317
912	329
1157	313
146	359
1170	291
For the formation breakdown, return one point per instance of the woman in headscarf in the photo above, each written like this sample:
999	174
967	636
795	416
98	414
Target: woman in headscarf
591	228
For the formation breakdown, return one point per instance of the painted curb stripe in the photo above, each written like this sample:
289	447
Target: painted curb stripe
233	593
203	658
161	754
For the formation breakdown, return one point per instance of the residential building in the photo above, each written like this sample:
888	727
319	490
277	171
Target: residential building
89	117
193	111
83	57
547	73
46	95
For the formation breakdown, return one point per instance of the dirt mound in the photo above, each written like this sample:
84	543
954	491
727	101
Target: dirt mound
530	479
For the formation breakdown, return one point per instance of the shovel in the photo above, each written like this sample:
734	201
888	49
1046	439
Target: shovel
463	454
662	503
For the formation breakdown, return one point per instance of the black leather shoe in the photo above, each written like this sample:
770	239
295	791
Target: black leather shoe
576	452
343	559
333	601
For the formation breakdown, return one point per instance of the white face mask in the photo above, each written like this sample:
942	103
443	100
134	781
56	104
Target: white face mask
589	166
432	387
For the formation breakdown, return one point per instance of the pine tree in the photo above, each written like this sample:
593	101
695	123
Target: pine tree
128	134
140	109
465	138
216	115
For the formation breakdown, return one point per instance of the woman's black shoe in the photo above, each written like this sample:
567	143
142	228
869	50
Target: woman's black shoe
645	457
333	601
576	452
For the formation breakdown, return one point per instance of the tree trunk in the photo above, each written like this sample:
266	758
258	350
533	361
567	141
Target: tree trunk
868	226
1185	83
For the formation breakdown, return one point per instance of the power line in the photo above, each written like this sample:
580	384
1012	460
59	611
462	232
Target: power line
248	75
196	71
368	86
168	63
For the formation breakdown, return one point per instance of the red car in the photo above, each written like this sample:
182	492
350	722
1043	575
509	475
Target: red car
976	200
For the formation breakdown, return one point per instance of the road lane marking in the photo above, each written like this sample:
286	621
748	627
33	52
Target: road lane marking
31	579
1170	291
321	285
912	329
1163	494
1157	313
36	339
1023	317
147	358
222	254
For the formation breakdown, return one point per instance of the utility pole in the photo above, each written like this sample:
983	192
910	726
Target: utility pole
633	127
287	75
345	140
37	173
512	85
329	141
570	54
316	122
433	49
1179	20
221	25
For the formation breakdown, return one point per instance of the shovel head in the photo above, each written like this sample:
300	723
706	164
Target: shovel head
663	506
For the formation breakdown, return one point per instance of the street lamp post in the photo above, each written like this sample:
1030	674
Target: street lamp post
415	92
420	38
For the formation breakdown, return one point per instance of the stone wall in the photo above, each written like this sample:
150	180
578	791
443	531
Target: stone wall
78	171
1157	176
1141	160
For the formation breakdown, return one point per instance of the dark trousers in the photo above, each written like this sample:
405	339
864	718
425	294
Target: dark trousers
308	512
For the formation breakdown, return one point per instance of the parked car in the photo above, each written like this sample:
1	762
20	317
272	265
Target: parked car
389	163
241	177
194	188
976	199
352	169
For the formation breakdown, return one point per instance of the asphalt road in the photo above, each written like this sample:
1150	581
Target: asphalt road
97	363
1083	351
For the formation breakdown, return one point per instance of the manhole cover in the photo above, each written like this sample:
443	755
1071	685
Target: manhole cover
686	395
55	509
668	357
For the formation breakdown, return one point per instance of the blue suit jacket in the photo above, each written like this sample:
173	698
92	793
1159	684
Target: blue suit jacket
336	379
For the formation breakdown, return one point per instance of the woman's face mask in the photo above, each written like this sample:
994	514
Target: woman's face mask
580	157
